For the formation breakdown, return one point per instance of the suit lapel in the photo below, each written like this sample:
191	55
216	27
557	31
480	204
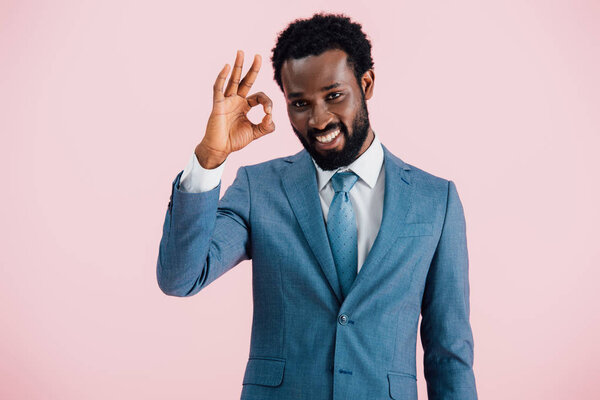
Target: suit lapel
397	200
300	184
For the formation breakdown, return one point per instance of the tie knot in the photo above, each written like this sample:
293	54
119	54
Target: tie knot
343	181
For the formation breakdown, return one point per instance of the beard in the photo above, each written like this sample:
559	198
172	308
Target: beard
335	159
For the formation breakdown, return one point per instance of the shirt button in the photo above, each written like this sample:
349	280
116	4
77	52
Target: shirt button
343	319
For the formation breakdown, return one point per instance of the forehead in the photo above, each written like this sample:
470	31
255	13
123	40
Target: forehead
312	73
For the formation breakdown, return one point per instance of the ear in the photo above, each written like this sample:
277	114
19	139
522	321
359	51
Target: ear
367	83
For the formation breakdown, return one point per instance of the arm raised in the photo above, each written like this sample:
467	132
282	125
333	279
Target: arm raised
203	237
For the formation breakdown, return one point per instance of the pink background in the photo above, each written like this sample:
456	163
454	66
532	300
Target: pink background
103	102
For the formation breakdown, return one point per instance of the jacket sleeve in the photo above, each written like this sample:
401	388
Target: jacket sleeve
203	237
445	328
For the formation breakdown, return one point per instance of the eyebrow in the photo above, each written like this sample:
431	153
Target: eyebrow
294	95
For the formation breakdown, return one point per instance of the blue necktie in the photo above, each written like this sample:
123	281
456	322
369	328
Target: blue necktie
341	229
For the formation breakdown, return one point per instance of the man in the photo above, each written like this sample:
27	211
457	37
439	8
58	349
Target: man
349	244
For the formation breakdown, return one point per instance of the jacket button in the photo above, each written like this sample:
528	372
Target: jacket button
343	319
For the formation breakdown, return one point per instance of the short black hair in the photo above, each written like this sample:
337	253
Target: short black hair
306	37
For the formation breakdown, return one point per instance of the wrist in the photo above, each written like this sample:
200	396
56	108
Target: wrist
209	159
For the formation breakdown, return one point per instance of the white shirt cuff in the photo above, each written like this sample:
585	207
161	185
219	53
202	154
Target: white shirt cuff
196	179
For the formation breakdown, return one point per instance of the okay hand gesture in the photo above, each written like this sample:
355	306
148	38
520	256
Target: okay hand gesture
228	128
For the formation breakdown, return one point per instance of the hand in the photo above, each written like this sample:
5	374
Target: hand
228	128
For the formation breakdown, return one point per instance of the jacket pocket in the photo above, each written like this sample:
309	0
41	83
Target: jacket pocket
264	371
402	386
416	229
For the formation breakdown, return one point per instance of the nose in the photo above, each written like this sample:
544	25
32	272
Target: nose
320	117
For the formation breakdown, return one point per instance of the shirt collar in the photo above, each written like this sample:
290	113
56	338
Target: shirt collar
367	166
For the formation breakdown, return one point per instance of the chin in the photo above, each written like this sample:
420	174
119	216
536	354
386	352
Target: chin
335	158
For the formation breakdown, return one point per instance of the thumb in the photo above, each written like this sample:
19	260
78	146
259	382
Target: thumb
266	126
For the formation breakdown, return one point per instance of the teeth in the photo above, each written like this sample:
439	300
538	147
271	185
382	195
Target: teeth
329	137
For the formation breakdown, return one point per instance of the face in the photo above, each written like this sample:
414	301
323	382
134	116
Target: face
327	108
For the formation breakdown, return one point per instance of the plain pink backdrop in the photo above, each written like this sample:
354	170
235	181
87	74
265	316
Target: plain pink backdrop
103	102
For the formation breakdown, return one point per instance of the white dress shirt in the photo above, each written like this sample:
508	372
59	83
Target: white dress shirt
366	195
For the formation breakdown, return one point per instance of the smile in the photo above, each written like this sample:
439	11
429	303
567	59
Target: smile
329	137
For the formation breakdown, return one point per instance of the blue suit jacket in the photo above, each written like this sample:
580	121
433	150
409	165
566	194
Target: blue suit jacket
306	343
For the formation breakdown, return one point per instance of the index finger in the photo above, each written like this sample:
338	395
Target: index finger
250	77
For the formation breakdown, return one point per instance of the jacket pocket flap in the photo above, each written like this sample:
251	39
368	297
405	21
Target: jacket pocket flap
402	386
264	371
416	229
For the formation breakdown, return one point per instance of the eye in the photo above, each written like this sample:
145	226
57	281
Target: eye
298	103
334	95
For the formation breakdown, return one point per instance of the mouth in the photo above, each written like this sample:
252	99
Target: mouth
329	140
328	137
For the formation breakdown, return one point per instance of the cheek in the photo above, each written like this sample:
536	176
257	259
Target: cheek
297	120
347	116
347	109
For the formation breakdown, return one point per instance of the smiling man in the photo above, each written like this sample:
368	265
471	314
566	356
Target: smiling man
325	134
349	244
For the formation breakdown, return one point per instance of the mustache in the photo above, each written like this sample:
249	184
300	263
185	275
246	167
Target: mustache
316	132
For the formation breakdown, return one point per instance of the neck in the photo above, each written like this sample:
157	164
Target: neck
367	143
